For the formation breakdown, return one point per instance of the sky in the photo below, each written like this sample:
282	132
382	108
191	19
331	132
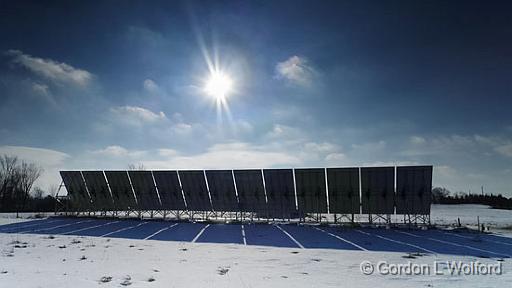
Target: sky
103	84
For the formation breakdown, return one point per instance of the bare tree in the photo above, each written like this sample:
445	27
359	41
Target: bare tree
8	179
37	193
28	174
16	181
52	190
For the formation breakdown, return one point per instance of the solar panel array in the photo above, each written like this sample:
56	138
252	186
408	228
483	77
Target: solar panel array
272	193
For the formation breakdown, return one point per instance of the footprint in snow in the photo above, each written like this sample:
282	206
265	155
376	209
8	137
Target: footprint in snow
222	270
126	281
105	279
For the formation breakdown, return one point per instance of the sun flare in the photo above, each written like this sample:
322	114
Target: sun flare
219	85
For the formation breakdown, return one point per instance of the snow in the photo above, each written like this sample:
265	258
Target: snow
468	213
31	260
83	261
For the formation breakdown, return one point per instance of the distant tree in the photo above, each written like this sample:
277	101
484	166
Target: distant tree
52	190
439	194
28	173
139	166
8	180
37	193
16	181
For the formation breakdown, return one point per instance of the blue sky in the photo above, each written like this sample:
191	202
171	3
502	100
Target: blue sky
101	84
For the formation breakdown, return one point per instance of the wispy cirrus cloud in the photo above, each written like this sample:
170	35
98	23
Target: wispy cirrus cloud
137	115
296	70
118	151
58	72
150	86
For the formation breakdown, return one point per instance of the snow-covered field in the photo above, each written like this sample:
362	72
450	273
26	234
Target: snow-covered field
66	261
73	261
469	213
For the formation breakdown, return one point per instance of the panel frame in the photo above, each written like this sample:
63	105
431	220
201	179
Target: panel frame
145	190
77	190
311	190
251	201
378	198
222	190
413	189
122	190
195	190
171	194
280	191
344	190
98	189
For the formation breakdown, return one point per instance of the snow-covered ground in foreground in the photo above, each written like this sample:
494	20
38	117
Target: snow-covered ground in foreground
73	261
68	261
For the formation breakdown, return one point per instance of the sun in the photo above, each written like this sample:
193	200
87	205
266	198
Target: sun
219	85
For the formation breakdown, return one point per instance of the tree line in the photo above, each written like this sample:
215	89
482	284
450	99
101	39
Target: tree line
17	194
442	195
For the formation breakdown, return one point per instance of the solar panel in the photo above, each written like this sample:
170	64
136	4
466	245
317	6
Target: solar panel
121	189
98	189
169	190
413	189
377	186
77	190
311	191
280	192
195	190
145	190
251	192
343	184
222	190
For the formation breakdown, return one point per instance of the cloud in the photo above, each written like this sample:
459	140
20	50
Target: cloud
118	151
296	70
370	147
335	158
459	144
150	86
165	152
417	140
505	150
284	133
55	71
230	155
137	115
40	88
